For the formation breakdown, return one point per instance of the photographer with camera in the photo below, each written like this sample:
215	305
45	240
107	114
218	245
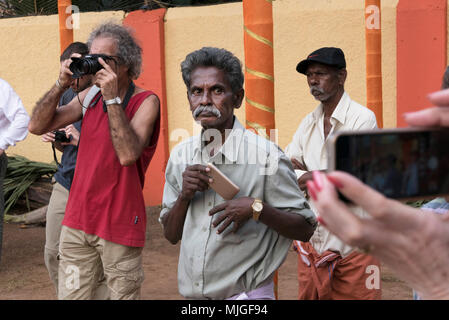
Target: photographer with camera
103	230
66	141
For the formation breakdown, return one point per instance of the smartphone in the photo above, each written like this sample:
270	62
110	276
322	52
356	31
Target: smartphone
403	163
222	184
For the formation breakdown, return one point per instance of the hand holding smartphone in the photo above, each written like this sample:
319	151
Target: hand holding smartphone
222	184
405	163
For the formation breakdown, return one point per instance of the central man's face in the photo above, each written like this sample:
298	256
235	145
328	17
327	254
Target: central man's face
211	99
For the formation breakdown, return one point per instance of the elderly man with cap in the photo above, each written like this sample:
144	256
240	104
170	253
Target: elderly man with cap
328	268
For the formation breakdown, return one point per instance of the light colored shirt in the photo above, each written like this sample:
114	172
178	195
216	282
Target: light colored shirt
309	148
437	205
218	266
13	117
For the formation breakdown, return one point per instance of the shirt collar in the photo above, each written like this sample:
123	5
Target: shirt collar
340	111
230	147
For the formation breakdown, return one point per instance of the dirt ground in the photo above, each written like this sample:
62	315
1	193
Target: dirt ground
23	274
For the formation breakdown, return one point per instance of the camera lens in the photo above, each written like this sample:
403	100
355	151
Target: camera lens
87	65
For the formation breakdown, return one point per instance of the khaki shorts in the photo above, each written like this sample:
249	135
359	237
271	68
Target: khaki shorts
84	258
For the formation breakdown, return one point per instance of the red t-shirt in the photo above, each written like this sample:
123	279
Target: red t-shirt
106	198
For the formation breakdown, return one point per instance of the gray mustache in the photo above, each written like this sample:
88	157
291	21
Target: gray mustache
315	88
208	108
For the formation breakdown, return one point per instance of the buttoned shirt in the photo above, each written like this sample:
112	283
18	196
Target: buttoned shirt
309	147
218	266
13	117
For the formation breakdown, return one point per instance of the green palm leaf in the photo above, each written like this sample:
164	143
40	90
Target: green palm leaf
20	175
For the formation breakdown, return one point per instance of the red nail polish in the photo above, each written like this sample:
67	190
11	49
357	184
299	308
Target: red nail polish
311	189
335	182
318	180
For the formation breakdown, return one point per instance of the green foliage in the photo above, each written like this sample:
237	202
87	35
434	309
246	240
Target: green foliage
14	8
417	204
20	174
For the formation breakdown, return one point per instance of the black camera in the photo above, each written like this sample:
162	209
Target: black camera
61	137
87	65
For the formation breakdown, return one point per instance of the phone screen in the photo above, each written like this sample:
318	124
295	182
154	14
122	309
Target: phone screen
401	164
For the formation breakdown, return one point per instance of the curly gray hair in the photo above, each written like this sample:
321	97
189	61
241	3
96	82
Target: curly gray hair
129	52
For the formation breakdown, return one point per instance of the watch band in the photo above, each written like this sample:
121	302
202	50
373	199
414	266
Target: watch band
116	100
129	94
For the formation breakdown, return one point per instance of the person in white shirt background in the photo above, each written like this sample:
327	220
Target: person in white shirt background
13	128
327	267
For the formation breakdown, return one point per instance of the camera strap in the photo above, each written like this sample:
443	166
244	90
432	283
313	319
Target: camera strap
54	154
91	98
128	96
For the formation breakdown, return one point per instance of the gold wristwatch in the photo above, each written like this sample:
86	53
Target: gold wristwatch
257	207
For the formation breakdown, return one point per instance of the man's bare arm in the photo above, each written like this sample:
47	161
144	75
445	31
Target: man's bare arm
46	116
129	138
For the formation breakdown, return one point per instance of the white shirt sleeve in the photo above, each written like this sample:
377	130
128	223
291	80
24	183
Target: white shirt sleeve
13	117
294	150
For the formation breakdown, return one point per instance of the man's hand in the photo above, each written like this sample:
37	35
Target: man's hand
70	130
302	180
65	75
48	137
237	210
106	79
194	179
298	165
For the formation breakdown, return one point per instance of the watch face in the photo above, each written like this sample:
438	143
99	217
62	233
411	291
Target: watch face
118	100
257	206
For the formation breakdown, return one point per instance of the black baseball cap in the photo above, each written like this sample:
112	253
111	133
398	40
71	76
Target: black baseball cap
328	55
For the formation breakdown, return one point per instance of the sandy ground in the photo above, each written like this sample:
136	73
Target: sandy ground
23	274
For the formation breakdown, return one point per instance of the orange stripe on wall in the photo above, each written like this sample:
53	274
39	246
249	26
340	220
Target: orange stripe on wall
421	52
149	31
65	34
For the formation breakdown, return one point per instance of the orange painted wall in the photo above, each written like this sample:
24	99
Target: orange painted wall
149	28
421	52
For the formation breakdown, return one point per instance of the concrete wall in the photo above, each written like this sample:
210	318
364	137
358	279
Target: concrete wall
189	29
300	26
31	54
30	63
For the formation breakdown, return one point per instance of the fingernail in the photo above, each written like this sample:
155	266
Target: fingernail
320	221
335	182
311	189
318	180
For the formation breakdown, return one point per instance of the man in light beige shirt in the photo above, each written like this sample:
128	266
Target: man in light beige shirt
326	73
229	249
